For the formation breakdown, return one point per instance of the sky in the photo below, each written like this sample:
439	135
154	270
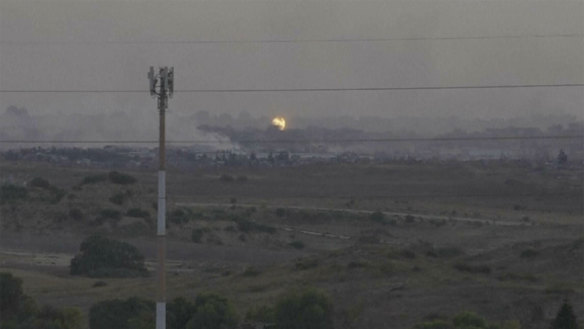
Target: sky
109	45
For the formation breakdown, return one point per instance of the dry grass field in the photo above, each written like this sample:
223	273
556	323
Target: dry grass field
392	244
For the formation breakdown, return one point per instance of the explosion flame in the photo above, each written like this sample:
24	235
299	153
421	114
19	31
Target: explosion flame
279	122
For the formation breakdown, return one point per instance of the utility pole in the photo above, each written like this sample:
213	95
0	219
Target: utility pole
161	86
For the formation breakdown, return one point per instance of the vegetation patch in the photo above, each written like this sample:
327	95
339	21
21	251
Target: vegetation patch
20	311
10	193
102	257
475	269
120	178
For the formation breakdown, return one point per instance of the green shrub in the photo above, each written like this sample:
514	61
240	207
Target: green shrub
138	213
469	320
251	271
94	179
57	195
10	192
121	179
40	183
377	216
529	253
306	263
565	319
435	324
118	198
280	212
19	311
248	226
297	244
102	257
11	293
212	312
310	309
262	314
226	178
197	234
110	214
180	311
119	314
465	267
179	216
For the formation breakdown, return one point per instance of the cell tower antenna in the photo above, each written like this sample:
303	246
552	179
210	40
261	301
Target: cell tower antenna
161	86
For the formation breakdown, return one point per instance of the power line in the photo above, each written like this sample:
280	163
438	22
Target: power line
292	141
357	89
292	41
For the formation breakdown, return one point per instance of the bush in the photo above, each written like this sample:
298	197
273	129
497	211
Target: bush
280	212
565	319
19	311
180	312
10	192
93	179
377	216
10	293
108	214
179	216
118	198
247	226
310	309
297	244
138	213
529	253
465	267
197	234
436	324
469	320
102	257
212	312
121	179
262	314
119	314
464	320
226	178
40	183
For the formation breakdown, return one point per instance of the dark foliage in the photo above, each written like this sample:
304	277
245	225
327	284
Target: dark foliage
102	257
310	309
247	226
119	314
93	179
137	212
40	183
19	311
377	216
565	319
121	179
212	312
10	192
76	214
465	267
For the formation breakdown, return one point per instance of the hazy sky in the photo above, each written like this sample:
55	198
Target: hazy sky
109	45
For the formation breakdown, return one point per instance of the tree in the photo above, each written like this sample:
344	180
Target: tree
102	257
562	157
310	309
212	312
19	311
120	314
565	318
180	311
